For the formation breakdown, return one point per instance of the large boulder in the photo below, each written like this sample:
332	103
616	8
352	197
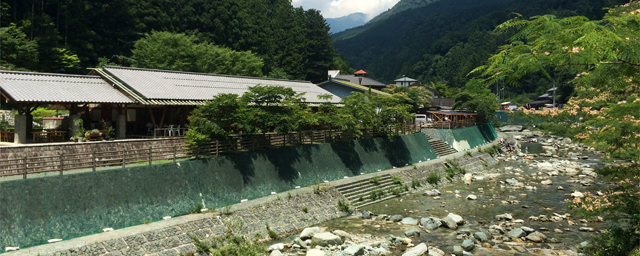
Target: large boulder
457	250
430	223
409	221
396	218
449	223
516	233
505	216
315	252
342	234
309	232
433	251
418	250
536	237
354	250
481	236
457	218
468	245
326	239
275	253
412	233
279	246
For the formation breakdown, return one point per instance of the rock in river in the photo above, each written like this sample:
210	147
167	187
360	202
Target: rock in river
472	197
449	223
468	245
481	236
546	182
457	218
409	221
395	218
354	250
505	216
412	233
516	233
309	232
315	252
430	223
536	237
326	239
418	250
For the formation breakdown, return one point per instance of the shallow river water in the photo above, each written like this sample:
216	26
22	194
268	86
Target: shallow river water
494	197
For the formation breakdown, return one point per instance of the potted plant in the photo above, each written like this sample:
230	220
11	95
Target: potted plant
79	131
110	132
87	136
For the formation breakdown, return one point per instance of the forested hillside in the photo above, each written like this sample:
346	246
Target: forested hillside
445	40
69	36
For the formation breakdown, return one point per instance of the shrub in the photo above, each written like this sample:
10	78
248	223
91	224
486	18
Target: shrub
451	172
462	171
375	180
198	208
272	234
396	191
485	164
479	149
344	206
415	167
467	153
415	183
375	194
433	178
396	180
305	209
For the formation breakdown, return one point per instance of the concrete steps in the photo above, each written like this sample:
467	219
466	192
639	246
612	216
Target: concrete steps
359	193
441	148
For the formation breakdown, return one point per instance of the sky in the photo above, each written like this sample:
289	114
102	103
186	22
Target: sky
339	8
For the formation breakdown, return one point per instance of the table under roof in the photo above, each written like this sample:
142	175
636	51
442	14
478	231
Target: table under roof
163	87
452	119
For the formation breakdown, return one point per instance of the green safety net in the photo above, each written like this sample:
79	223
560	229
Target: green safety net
469	137
35	210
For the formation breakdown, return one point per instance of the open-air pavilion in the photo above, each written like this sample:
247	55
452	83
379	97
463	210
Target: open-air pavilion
137	103
451	119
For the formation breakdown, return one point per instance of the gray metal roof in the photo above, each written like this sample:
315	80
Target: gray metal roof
164	86
45	87
355	79
405	79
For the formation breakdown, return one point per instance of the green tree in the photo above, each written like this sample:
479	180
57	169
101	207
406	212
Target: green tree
176	51
276	108
18	52
604	57
478	98
416	96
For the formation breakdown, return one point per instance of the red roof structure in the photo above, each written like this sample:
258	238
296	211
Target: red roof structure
360	72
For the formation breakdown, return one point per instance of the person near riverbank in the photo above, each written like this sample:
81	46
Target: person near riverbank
526	150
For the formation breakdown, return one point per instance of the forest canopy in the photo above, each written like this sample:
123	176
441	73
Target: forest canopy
70	36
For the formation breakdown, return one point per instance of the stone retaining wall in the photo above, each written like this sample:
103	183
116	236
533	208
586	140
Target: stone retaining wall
470	163
283	216
55	149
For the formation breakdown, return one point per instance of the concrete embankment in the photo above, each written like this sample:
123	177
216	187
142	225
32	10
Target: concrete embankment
283	212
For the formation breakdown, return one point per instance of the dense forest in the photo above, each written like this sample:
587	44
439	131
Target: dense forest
443	41
70	36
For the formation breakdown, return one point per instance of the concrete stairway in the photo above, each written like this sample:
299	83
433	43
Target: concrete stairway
359	193
441	148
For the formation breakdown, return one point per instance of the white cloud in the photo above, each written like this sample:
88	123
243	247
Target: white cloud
339	8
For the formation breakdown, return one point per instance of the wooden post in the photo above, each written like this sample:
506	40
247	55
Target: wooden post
217	147
61	162
313	134
175	152
123	159
93	159
24	175
284	140
269	141
150	155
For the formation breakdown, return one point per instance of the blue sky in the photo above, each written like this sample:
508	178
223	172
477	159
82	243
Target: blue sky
339	8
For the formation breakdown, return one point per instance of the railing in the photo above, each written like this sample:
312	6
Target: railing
141	156
6	136
452	124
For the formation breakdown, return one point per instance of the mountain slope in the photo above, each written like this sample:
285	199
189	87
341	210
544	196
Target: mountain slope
401	6
346	22
445	40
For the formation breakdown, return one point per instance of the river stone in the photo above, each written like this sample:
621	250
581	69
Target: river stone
546	182
326	238
586	229
467	178
354	250
536	237
481	236
275	253
468	245
457	218
366	214
505	216
435	251
412	233
449	222
315	252
511	128
472	197
433	192
299	242
395	218
278	246
430	223
342	234
309	232
418	250
457	250
409	221
516	233
577	194
527	229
